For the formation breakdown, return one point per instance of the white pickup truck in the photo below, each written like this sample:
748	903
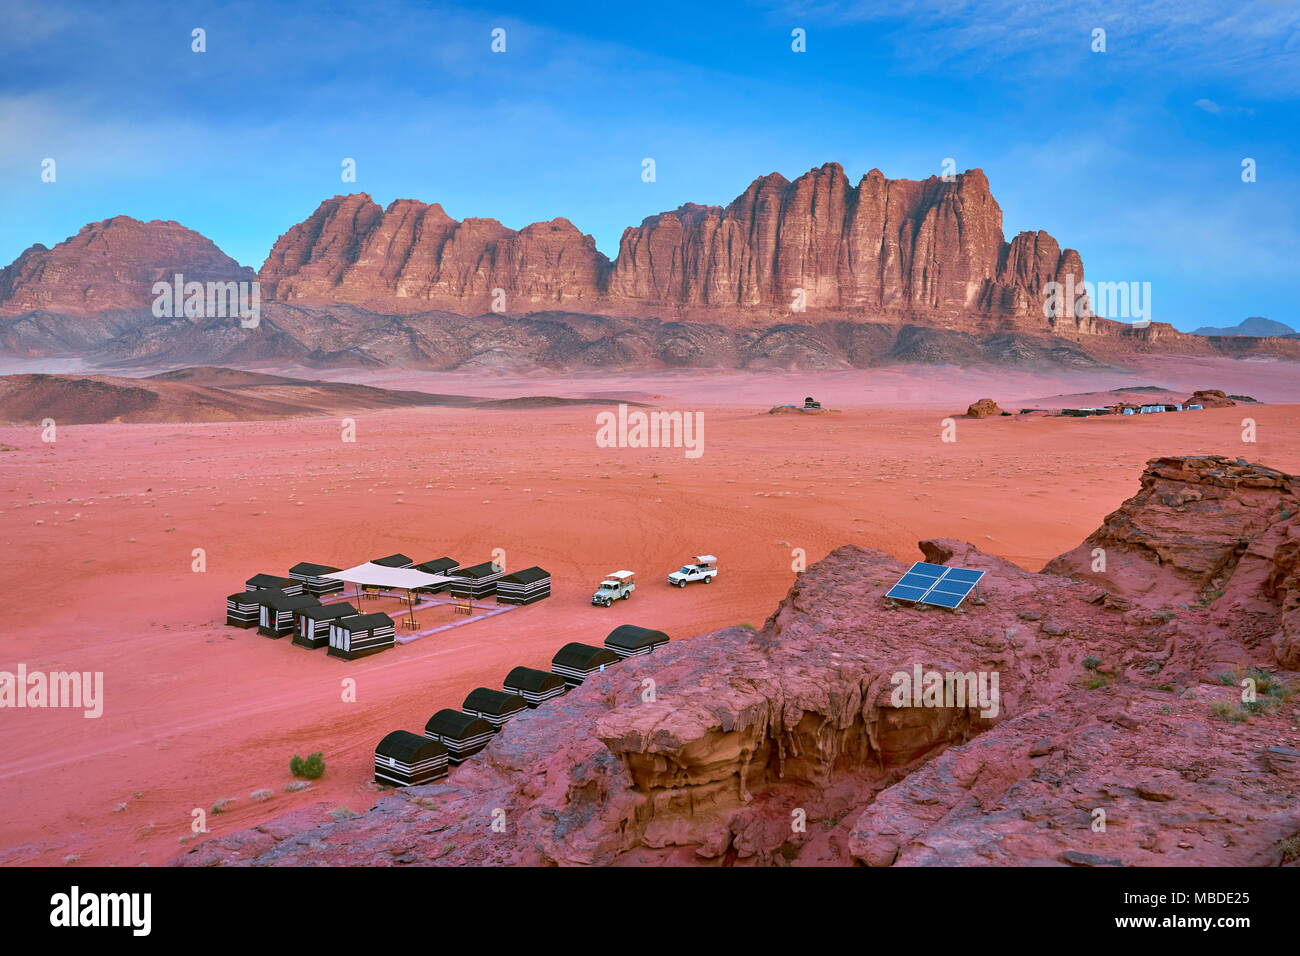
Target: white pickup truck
704	567
617	586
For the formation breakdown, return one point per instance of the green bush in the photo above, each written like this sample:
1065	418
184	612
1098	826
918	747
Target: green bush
311	768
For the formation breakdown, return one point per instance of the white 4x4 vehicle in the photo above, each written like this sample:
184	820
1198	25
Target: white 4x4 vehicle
704	568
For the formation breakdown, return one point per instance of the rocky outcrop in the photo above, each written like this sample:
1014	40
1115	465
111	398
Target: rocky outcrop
984	408
111	265
1210	398
819	245
791	743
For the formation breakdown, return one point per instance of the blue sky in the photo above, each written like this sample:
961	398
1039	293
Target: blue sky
1132	156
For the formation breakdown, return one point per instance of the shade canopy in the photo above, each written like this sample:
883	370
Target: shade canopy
377	575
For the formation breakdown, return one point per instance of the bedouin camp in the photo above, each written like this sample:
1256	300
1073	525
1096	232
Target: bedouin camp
524	587
575	662
314	623
462	734
404	759
269	582
313	580
443	567
477	581
243	609
628	640
534	686
279	610
497	707
361	636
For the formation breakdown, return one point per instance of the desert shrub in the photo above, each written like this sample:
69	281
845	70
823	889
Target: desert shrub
221	805
311	768
1225	710
1091	663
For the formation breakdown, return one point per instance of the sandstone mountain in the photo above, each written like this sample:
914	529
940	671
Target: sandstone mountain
111	265
814	273
900	248
1117	693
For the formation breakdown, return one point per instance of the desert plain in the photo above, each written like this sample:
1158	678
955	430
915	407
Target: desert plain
99	531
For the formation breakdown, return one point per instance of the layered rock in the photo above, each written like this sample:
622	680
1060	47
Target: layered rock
790	744
819	244
111	265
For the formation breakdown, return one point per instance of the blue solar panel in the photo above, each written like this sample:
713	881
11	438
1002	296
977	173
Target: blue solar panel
929	570
905	593
943	600
935	584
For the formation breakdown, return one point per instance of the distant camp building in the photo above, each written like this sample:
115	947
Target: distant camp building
534	686
271	582
495	706
524	587
476	582
279	612
444	566
576	662
462	734
404	759
243	609
628	640
361	636
394	561
313	581
314	623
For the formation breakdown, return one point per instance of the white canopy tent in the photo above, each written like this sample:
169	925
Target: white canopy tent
376	575
371	575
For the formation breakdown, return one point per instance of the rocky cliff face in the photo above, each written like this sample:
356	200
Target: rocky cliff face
819	244
111	265
788	745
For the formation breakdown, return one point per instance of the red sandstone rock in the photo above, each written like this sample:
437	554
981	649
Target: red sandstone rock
984	408
111	265
885	247
1210	398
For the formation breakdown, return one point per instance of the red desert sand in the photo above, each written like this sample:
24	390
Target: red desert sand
100	530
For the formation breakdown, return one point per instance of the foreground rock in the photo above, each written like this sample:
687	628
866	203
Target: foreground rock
787	745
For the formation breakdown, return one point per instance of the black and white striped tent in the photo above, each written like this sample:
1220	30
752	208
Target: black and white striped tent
524	587
575	662
312	581
534	686
476	582
495	706
393	561
279	612
314	623
272	582
244	609
462	734
628	640
442	565
404	759
360	636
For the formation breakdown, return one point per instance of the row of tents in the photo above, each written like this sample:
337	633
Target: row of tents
404	759
280	606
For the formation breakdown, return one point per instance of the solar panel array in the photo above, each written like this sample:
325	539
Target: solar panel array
935	584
